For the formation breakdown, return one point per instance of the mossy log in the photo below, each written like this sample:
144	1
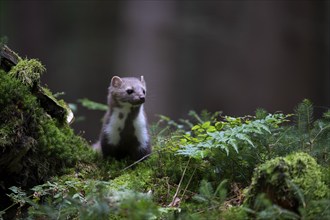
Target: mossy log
36	141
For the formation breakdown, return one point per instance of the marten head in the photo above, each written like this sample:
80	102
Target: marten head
127	91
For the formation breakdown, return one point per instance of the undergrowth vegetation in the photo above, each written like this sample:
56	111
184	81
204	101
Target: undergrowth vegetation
214	167
209	166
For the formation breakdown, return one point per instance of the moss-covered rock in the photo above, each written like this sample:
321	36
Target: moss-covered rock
287	182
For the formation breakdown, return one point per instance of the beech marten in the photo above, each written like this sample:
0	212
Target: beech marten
125	131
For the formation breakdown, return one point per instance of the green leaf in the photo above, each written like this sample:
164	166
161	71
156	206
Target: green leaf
195	127
221	191
233	143
264	127
211	129
246	138
58	195
93	105
219	125
206	125
14	189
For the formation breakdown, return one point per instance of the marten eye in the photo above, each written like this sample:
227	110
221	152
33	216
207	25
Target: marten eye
144	91
129	91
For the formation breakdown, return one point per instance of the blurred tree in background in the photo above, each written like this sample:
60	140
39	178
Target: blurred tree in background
216	55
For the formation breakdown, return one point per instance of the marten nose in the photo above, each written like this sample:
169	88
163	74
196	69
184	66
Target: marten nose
142	98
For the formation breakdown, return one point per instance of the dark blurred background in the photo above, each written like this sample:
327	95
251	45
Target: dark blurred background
233	56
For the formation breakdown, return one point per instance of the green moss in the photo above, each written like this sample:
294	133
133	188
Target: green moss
33	145
28	71
137	180
15	110
234	213
307	175
288	182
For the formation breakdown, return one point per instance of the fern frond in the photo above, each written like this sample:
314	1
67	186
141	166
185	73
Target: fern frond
235	133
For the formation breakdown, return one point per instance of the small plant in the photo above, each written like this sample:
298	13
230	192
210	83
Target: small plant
228	134
213	198
307	134
71	197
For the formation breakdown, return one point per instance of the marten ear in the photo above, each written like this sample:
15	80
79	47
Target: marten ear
116	81
142	81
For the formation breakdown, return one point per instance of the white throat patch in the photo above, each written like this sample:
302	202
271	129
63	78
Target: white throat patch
116	124
141	132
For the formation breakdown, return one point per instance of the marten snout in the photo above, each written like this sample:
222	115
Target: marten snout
142	99
139	100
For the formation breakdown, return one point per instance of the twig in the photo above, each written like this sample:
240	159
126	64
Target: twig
179	186
136	162
185	189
